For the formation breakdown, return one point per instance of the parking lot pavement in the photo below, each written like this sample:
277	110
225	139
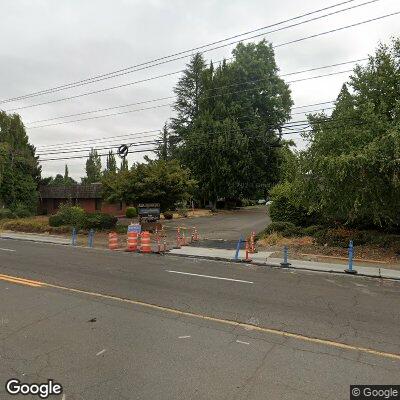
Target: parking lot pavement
101	348
225	225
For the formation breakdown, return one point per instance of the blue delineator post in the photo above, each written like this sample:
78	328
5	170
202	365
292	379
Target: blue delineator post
285	263
351	270
90	238
240	241
74	237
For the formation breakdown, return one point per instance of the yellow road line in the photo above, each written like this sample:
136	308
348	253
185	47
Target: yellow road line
325	342
278	332
20	281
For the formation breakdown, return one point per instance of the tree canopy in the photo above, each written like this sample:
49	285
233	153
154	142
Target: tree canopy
19	166
58	180
93	168
228	122
160	181
350	172
111	164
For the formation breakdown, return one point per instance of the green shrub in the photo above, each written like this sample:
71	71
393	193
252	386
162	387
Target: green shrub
183	212
312	230
99	221
285	206
72	215
131	212
56	220
21	211
341	237
168	214
121	229
5	213
33	226
247	203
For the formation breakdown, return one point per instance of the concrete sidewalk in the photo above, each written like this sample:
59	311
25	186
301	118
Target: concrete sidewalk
263	258
35	237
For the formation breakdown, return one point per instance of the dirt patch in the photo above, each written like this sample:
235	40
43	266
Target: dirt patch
305	248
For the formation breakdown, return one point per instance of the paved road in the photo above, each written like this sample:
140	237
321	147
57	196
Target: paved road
227	225
160	334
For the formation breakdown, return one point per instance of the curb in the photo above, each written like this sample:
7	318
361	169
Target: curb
277	266
35	240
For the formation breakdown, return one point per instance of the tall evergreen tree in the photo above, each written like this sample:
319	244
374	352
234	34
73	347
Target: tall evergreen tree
93	168
165	148
124	165
188	91
19	167
246	97
111	163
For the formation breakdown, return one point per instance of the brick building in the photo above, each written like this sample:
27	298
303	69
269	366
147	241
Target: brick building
89	197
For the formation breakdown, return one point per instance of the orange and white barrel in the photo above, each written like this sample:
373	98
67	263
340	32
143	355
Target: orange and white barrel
113	241
145	242
132	241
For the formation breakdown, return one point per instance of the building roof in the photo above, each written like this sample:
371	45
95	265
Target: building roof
80	191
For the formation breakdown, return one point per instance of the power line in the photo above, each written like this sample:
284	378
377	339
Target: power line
137	134
303	125
108	147
111	147
112	142
120	138
134	144
173	97
74	149
170	104
276	46
103	138
100	155
118	72
313	111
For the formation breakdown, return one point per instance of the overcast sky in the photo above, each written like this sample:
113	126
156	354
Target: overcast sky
46	43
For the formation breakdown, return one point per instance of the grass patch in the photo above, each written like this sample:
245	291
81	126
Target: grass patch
332	237
32	225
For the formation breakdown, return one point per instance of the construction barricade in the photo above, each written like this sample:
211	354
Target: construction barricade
161	240
252	244
113	241
145	242
132	241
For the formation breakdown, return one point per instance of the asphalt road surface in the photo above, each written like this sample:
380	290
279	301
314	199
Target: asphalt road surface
128	326
226	225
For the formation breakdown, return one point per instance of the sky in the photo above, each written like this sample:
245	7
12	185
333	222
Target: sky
47	43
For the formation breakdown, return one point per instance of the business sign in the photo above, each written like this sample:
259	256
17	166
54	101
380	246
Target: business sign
134	228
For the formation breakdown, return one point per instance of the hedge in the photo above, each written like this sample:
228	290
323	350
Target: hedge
21	225
5	213
99	220
131	212
76	217
285	206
